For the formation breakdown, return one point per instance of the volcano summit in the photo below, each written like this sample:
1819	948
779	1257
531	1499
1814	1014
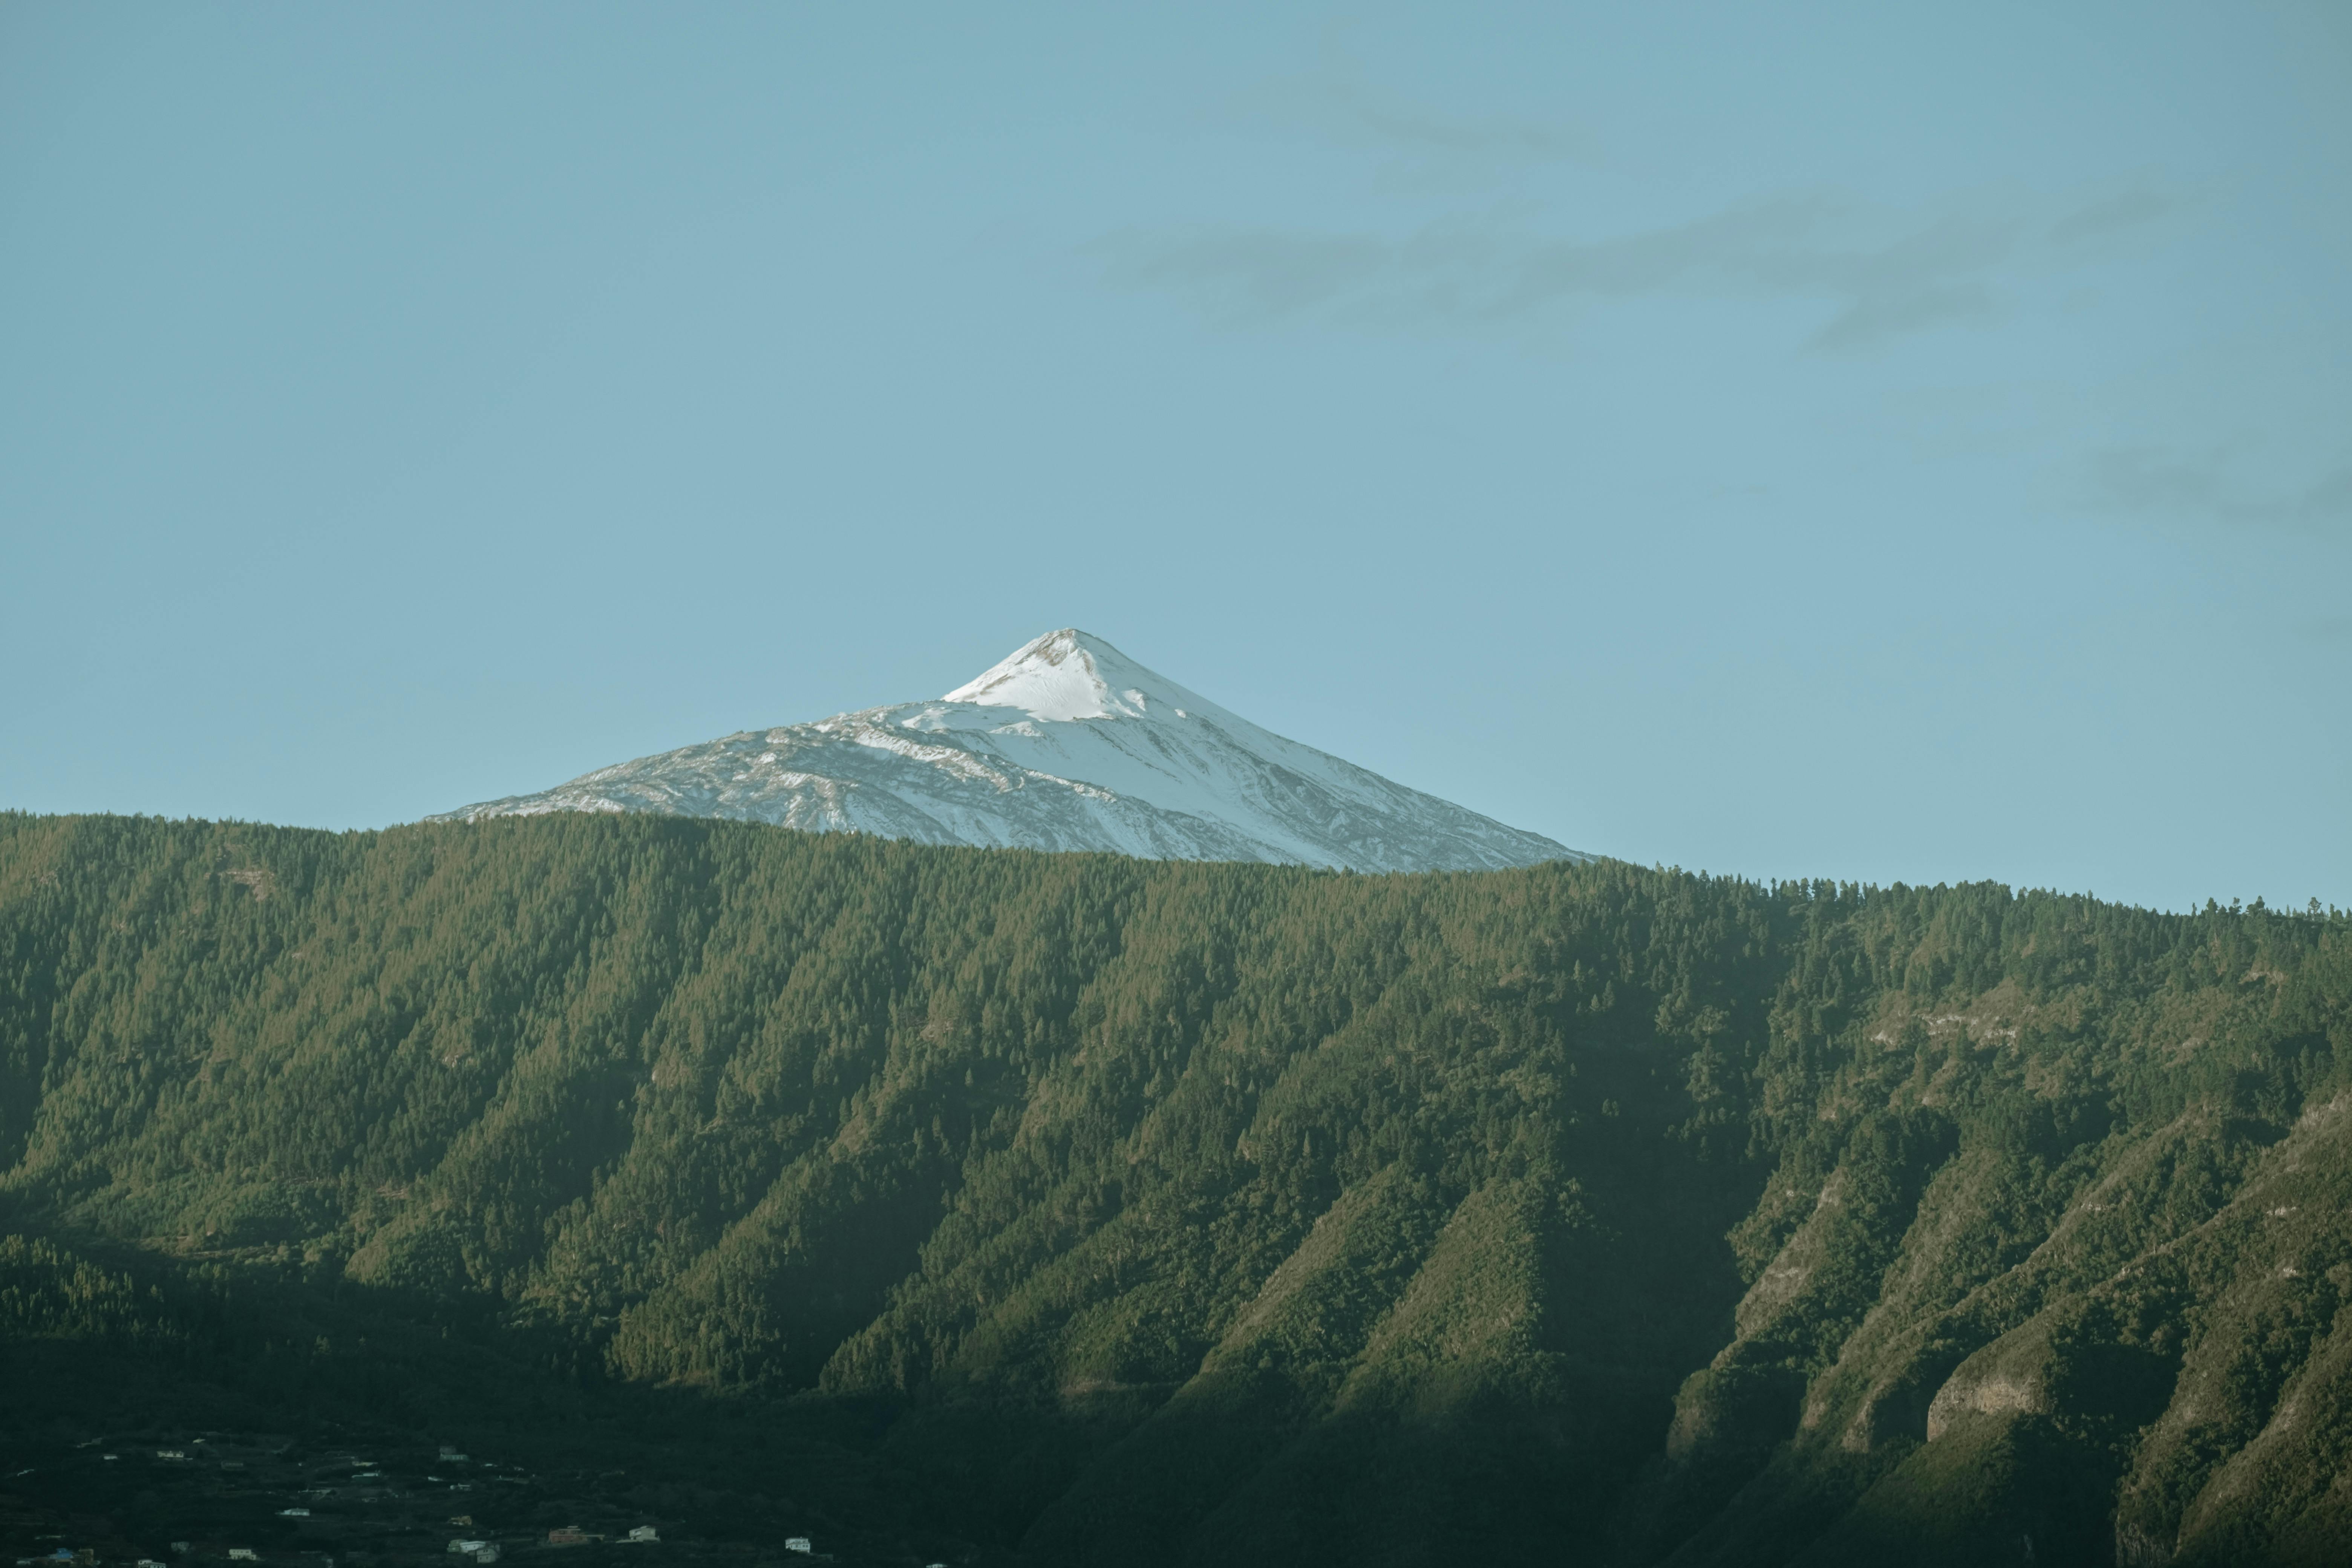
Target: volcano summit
1067	744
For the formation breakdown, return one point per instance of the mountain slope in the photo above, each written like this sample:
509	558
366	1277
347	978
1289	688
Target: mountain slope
1067	745
1130	1212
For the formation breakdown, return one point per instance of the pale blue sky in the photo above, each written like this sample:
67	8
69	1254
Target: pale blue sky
1889	443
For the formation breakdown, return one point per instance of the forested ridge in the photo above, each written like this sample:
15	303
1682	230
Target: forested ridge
1088	1210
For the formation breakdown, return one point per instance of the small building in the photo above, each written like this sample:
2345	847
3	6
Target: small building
243	1554
171	1453
487	1552
463	1520
645	1532
567	1535
293	1513
798	1543
466	1548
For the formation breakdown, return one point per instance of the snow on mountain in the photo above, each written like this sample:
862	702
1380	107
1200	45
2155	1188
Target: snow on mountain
1067	744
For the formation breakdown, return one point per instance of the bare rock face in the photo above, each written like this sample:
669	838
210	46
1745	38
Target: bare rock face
1067	744
1988	1391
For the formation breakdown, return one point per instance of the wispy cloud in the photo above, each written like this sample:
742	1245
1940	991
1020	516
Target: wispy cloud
1882	274
1340	102
2121	212
2155	481
1348	108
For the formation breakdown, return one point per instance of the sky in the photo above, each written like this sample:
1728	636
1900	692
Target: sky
1883	443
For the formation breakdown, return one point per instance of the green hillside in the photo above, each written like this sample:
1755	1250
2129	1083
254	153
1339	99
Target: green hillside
1101	1211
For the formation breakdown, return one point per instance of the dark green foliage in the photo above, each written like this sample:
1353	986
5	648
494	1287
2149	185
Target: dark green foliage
1160	1212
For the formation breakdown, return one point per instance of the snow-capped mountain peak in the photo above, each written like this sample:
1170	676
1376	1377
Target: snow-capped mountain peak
1070	674
1065	744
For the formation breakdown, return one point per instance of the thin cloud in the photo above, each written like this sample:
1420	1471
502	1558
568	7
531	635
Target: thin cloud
2110	216
1356	108
2153	481
1874	318
1339	103
1883	275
